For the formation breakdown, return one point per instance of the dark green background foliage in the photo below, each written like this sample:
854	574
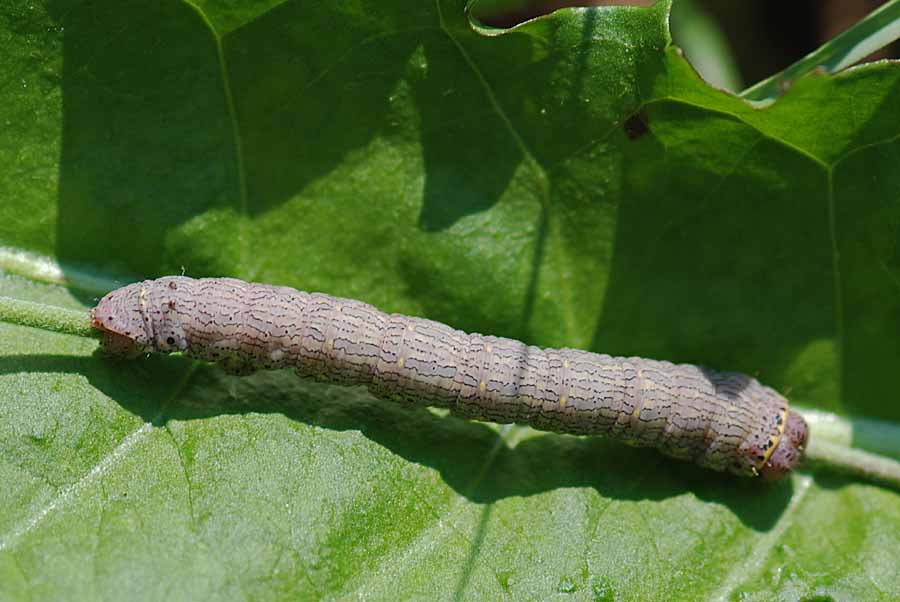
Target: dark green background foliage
570	182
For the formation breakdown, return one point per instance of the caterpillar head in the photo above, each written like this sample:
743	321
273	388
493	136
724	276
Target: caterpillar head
789	450
119	317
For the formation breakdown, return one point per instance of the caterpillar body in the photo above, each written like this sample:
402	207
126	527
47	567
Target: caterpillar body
719	420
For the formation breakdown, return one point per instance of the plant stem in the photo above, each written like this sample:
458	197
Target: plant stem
47	317
875	31
854	462
44	269
820	452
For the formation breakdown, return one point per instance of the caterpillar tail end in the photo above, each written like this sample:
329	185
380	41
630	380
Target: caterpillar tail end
789	451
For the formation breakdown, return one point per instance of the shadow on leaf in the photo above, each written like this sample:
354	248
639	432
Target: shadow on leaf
473	458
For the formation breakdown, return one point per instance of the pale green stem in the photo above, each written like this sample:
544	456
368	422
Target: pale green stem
821	452
47	317
873	32
854	462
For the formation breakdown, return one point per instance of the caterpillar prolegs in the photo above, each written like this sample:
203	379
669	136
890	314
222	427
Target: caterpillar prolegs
719	420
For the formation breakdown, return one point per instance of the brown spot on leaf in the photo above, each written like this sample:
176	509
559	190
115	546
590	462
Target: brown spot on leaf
636	126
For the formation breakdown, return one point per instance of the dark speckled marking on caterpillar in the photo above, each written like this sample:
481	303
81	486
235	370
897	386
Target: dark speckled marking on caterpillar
720	420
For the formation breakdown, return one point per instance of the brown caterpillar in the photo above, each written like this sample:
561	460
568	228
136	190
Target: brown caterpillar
720	420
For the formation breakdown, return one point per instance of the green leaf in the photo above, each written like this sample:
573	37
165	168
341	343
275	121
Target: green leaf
571	181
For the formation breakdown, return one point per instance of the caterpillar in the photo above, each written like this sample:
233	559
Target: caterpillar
724	421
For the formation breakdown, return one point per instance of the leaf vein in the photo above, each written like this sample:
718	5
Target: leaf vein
763	548
66	494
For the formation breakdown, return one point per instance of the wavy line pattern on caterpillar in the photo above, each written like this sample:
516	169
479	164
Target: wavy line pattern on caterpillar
719	420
